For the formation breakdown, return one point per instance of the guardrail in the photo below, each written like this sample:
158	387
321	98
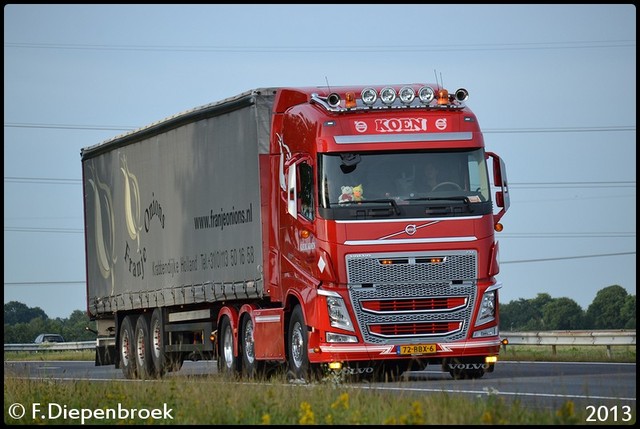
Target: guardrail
31	347
608	338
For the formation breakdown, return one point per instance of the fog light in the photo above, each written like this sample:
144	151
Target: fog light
335	365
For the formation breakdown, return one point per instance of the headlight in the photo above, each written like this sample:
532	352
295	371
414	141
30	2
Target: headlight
487	311
332	337
338	314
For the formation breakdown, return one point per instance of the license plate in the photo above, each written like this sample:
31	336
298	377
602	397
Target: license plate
417	349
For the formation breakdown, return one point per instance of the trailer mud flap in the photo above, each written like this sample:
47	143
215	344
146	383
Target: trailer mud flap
105	355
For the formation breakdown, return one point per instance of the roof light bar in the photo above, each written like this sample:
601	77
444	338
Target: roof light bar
426	94
369	96
406	94
388	95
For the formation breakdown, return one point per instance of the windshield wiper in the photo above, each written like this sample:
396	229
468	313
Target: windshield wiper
389	201
453	197
462	198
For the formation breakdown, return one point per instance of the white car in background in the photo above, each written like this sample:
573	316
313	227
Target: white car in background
49	338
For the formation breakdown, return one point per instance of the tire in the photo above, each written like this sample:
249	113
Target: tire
251	368
144	361
157	341
127	349
227	362
297	341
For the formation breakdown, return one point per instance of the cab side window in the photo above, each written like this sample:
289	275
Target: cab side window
305	196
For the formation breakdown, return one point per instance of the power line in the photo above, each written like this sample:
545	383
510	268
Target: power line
567	257
44	283
614	184
45	180
40	283
568	235
591	184
593	44
69	126
558	129
611	128
33	229
504	235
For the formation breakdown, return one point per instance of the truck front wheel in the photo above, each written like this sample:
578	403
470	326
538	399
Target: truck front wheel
298	362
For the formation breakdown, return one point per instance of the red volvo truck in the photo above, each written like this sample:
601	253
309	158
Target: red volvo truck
315	229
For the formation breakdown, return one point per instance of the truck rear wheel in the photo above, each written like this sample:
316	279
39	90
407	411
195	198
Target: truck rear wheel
298	362
251	367
227	362
127	348
144	361
158	340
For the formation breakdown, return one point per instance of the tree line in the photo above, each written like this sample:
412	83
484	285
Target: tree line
612	308
22	324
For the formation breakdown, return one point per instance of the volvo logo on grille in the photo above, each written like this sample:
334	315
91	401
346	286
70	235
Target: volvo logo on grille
410	229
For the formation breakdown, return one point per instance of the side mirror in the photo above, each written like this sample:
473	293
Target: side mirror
292	197
503	199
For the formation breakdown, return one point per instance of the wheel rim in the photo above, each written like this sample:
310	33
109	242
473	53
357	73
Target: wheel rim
297	343
126	349
156	342
249	343
140	348
227	347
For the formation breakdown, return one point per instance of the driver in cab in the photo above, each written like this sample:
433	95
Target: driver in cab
431	175
433	180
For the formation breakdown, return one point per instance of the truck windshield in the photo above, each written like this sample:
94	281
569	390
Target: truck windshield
402	183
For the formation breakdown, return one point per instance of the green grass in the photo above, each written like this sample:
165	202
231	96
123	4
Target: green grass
47	355
214	400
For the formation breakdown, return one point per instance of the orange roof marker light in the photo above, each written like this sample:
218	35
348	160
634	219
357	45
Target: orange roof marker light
443	96
350	100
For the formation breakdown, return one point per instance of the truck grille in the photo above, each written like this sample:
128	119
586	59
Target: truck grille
413	297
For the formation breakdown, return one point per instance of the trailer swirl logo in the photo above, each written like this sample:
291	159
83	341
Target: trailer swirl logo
104	226
131	202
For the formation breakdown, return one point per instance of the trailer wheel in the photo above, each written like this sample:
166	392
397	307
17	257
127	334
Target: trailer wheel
251	367
298	362
127	349
158	340
144	361
227	362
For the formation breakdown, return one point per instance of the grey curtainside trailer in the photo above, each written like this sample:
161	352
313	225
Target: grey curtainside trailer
172	210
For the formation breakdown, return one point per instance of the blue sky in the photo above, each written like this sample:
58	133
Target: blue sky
553	87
